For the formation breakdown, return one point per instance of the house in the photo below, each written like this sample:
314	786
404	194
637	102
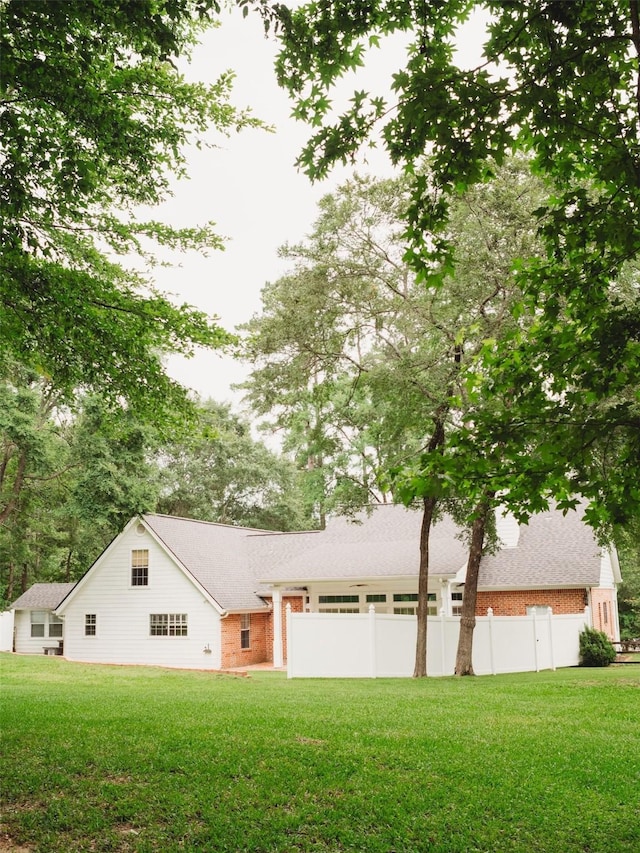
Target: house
36	628
187	593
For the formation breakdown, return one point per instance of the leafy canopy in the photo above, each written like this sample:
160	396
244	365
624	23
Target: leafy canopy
95	120
559	81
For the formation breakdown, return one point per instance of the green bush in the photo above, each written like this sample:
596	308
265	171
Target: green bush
595	648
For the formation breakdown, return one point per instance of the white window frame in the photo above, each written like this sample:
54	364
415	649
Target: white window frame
168	625
39	622
457	597
141	580
49	621
245	631
91	621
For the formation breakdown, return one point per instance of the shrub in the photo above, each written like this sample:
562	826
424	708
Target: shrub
595	648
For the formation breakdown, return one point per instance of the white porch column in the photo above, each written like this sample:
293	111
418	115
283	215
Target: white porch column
277	628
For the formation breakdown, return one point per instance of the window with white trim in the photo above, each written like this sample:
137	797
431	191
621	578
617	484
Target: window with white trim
38	623
55	626
456	603
341	601
245	631
140	567
45	624
168	624
406	604
90	624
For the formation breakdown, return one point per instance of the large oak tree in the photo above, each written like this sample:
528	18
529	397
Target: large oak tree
559	80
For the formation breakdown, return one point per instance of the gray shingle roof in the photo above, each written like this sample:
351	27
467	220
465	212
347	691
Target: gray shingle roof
42	596
215	554
383	543
234	563
553	550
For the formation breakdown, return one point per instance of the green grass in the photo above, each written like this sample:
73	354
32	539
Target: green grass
136	759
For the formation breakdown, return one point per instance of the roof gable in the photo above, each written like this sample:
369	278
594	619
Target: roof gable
214	554
553	550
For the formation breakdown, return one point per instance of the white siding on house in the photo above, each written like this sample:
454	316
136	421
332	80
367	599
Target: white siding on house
122	612
507	528
25	643
6	631
607	580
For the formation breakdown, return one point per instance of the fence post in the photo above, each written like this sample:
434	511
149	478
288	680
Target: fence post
289	640
551	652
491	654
535	639
443	657
373	663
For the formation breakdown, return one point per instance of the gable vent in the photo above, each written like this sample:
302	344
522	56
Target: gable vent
140	529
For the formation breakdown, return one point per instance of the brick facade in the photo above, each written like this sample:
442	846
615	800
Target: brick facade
603	614
515	603
232	654
297	606
261	636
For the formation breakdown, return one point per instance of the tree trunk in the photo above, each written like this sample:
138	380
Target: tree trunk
10	582
464	664
420	669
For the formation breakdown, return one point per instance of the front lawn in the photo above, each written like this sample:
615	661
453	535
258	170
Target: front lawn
141	759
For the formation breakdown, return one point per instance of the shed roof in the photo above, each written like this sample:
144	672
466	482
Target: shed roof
42	596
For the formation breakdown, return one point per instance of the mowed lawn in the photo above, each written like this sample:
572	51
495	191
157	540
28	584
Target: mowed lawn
141	759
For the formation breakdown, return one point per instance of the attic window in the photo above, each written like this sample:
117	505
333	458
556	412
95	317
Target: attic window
140	567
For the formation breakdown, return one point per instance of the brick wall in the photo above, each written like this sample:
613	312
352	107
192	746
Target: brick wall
297	606
232	654
507	603
261	648
603	615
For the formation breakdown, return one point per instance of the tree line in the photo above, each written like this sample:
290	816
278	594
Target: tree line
468	340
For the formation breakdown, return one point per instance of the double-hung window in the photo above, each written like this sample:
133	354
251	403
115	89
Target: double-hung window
45	624
38	623
90	624
245	631
140	567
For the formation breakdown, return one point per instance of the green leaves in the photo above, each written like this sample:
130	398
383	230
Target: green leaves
96	119
559	392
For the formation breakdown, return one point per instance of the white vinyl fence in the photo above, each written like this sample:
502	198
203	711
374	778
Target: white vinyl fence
6	631
380	645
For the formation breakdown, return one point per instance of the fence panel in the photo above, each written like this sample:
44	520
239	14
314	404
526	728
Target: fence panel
6	631
370	645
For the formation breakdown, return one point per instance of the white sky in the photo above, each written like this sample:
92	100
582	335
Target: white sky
251	189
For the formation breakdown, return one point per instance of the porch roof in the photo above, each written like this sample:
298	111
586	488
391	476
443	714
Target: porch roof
382	544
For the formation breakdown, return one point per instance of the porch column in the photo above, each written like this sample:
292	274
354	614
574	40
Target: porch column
277	628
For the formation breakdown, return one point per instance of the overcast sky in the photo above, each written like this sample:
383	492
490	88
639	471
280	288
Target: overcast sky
250	187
